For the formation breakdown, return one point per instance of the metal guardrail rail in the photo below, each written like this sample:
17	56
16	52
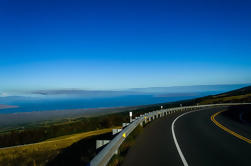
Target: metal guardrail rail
104	156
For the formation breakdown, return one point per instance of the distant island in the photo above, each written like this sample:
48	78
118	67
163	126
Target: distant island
7	106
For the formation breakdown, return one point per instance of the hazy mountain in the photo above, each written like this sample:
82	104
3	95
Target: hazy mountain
150	90
190	89
159	91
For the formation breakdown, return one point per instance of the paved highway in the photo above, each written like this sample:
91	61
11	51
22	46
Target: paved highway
195	140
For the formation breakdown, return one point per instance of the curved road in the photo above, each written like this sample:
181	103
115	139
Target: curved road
201	142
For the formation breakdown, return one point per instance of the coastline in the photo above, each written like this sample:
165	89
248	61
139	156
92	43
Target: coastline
3	106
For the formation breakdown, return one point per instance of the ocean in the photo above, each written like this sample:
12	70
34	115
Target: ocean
47	104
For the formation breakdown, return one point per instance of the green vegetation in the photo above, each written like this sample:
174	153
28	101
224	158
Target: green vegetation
38	134
228	99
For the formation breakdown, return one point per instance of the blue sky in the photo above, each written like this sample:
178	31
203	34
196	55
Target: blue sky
123	44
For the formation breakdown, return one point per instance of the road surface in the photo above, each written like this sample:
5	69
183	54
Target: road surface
199	142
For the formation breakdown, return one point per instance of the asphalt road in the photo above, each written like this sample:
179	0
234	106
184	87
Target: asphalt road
201	142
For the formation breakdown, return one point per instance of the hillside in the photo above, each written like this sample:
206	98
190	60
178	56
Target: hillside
242	95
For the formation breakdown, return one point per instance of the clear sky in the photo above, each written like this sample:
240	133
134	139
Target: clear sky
120	44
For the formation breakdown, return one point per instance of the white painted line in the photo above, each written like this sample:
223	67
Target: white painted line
175	139
177	145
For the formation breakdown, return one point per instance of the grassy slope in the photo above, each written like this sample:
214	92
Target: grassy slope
40	153
42	133
242	95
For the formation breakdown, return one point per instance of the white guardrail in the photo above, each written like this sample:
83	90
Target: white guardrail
104	156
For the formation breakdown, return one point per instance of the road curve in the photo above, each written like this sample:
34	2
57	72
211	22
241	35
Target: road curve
201	142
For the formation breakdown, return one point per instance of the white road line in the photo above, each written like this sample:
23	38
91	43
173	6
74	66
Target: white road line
175	139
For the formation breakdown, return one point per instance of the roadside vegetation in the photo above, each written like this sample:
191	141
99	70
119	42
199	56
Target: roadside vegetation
38	134
79	153
40	153
242	95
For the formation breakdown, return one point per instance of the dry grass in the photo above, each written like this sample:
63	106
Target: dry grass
40	153
225	99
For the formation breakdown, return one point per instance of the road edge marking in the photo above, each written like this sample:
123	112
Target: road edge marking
228	130
175	139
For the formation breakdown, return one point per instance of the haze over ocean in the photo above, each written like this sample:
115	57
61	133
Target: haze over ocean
83	103
79	99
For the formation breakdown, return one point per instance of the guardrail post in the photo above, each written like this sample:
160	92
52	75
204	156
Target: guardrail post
125	124
115	131
130	115
145	120
100	143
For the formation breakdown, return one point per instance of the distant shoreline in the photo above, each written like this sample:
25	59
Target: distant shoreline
22	118
7	106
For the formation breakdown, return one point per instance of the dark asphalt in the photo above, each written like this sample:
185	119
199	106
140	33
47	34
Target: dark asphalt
201	141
